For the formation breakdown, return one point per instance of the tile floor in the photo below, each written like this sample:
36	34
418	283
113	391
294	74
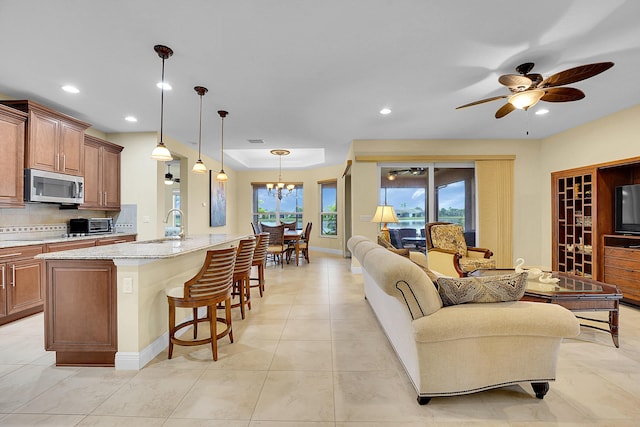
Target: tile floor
310	353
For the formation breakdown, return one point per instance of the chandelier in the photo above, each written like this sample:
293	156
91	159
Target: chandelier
276	189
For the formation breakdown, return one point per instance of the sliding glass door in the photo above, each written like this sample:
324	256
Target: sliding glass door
422	193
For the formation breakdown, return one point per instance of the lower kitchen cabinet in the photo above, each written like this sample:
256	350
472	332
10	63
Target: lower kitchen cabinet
80	313
22	287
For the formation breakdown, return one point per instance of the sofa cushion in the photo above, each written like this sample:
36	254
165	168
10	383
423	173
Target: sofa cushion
460	290
469	264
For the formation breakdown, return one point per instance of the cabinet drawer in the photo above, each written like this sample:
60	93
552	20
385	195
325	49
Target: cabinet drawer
626	253
629	274
114	240
20	252
622	263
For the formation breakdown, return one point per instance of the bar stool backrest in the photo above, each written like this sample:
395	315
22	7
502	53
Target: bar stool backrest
244	257
260	252
215	278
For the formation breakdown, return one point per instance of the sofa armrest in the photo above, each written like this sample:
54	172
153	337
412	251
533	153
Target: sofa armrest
419	258
479	252
445	262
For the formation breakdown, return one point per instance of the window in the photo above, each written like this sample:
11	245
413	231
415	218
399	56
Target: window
328	208
267	208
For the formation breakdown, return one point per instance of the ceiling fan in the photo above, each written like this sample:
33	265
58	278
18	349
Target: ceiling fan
393	174
527	89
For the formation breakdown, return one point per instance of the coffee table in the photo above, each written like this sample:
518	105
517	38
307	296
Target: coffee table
575	293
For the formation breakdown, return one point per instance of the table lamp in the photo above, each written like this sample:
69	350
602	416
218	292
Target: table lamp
385	214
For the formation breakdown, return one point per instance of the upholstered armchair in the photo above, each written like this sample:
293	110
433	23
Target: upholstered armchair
449	253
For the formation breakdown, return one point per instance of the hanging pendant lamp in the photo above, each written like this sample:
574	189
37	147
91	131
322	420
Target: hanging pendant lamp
161	152
222	177
199	167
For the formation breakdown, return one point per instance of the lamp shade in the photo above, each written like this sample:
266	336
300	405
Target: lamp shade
384	214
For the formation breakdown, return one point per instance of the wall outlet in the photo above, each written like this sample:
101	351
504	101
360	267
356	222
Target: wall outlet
127	285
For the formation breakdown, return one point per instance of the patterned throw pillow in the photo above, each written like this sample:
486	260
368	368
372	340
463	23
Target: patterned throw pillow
460	290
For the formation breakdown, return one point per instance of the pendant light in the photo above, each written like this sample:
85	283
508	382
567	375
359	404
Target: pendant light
161	152
199	167
222	177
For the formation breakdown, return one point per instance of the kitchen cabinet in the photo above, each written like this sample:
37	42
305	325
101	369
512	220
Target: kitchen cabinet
22	282
81	313
12	133
102	174
69	245
54	141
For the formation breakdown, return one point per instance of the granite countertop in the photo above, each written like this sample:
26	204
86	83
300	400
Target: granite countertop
27	242
147	249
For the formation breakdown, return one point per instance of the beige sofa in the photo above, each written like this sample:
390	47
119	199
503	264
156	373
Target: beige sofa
459	349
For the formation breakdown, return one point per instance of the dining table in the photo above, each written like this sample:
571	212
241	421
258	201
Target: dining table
293	236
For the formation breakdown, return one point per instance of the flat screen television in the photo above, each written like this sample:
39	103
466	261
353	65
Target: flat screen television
627	209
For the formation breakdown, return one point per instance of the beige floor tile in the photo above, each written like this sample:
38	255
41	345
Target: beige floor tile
290	424
115	421
44	420
356	330
296	396
190	422
307	329
151	393
20	386
362	356
80	393
376	396
310	311
302	356
222	395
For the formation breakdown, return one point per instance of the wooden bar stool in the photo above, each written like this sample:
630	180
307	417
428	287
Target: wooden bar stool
260	259
210	287
241	271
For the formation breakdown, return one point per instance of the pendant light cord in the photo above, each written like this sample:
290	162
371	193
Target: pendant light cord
200	131
162	101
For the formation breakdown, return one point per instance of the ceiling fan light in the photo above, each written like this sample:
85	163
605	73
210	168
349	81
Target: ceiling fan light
199	167
391	176
161	153
526	99
168	179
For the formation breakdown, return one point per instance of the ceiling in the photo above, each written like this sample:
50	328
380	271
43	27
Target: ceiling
311	76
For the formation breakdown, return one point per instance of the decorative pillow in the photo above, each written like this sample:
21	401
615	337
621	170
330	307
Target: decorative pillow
460	290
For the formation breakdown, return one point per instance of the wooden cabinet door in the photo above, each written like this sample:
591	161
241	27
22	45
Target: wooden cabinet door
111	178
12	133
3	289
71	149
43	142
26	288
92	176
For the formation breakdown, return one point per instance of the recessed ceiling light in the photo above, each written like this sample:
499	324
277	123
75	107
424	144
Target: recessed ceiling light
70	89
541	112
167	86
385	111
131	119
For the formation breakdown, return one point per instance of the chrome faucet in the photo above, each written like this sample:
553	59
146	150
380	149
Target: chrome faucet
166	220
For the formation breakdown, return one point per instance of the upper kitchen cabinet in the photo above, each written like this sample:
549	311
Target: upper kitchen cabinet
54	141
12	131
102	174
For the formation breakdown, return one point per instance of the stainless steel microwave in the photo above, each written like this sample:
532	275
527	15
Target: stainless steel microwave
50	187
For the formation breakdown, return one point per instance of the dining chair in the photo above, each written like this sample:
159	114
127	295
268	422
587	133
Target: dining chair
259	260
303	244
276	247
211	286
290	225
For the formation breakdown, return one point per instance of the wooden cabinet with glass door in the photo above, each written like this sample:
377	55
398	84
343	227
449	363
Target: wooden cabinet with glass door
573	222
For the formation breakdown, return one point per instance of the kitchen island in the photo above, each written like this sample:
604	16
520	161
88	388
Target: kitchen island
106	306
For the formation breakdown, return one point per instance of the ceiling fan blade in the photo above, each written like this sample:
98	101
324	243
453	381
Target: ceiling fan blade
575	74
504	110
514	81
482	101
562	94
